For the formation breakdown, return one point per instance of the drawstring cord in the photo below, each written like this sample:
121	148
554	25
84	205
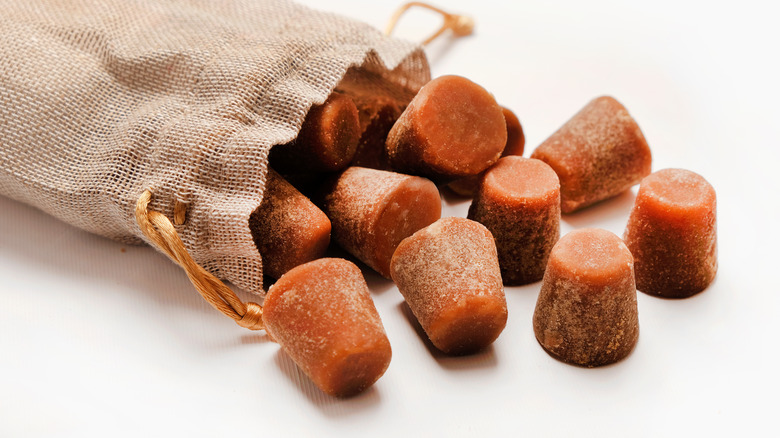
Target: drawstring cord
159	229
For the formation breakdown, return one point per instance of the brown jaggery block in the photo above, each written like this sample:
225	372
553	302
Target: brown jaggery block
323	317
451	129
515	143
372	211
326	142
586	313
379	103
599	153
287	228
519	201
672	234
377	115
449	276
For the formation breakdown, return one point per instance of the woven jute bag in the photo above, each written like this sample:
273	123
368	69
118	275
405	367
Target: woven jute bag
151	120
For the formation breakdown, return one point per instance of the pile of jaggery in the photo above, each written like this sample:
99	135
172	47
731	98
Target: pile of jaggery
366	172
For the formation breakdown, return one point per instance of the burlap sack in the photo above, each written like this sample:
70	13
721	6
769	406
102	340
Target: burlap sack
101	100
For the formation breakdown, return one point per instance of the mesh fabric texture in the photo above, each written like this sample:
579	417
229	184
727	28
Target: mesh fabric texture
101	100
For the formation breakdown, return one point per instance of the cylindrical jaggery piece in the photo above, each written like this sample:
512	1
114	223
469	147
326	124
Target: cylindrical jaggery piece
323	317
288	229
451	129
449	276
586	313
599	153
515	143
326	142
672	234
372	210
519	201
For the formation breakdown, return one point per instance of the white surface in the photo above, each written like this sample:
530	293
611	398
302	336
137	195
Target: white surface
101	339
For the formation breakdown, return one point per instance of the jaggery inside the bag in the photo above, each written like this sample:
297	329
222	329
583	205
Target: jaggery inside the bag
288	229
326	142
379	104
377	116
349	127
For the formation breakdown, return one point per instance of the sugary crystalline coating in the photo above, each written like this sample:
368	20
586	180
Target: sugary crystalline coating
672	234
586	313
515	144
519	201
452	128
327	140
323	317
597	154
288	229
371	211
449	276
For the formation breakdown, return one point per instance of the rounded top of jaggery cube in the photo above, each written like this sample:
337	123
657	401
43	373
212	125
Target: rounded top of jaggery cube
591	256
676	192
518	180
462	124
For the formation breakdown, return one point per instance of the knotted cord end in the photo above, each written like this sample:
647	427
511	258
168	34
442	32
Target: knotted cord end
253	318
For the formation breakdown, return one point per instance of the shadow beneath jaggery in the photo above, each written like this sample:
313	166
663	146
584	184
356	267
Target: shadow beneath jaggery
330	406
609	214
592	369
452	199
684	297
485	358
268	281
256	338
377	284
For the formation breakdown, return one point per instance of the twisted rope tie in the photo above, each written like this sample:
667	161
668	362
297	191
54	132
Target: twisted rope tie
460	25
159	229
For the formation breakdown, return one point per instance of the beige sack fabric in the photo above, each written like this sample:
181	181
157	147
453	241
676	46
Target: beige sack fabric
103	99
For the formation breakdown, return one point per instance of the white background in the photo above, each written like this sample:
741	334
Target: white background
102	339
